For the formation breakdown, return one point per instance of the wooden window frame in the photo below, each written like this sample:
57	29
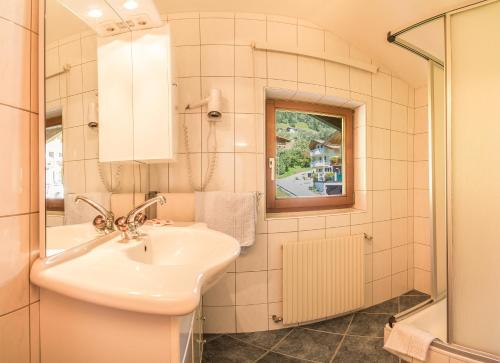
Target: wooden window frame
53	204
275	205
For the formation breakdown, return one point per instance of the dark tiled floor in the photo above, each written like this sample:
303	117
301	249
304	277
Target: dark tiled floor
352	338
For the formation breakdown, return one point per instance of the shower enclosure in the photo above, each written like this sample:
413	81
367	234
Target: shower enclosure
461	48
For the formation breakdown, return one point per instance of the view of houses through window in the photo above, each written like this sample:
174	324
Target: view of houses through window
309	149
54	188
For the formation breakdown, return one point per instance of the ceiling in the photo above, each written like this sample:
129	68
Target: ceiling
363	23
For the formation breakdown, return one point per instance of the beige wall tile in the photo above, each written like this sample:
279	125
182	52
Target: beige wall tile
381	113
15	342
399	91
381	86
15	65
275	250
14	262
381	174
34	251
217	60
399	117
381	290
220	319
34	181
217	31
187	61
249	30
251	288
254	258
251	318
223	293
15	151
35	333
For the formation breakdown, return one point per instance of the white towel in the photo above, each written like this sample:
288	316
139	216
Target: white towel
409	340
81	212
232	213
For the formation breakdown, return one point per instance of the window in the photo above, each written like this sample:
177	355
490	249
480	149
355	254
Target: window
310	156
54	189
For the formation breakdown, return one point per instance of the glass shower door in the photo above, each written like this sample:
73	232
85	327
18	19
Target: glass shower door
473	111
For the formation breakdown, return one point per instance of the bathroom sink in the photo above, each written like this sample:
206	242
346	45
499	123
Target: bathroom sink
206	249
61	238
165	272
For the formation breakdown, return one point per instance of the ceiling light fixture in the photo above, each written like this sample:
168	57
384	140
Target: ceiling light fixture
95	13
130	4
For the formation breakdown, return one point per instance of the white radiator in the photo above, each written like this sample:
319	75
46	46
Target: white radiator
322	278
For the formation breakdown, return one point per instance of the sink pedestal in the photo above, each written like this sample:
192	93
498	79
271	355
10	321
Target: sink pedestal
80	332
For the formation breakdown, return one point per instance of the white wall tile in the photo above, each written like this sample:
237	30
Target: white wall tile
381	143
250	62
282	66
275	249
381	290
310	223
185	31
399	203
381	86
223	293
283	225
187	60
381	174
399	145
217	60
275	285
251	288
399	118
381	205
381	113
399	174
249	30
399	234
311	40
399	259
381	236
337	75
15	345
399	91
217	31
251	318
282	34
220	319
360	81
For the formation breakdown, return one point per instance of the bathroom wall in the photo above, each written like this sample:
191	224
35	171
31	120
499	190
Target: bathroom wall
422	233
19	302
213	50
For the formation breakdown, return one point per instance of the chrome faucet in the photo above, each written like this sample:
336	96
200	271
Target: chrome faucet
104	221
135	218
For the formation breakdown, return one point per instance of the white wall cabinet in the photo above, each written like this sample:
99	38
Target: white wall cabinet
136	97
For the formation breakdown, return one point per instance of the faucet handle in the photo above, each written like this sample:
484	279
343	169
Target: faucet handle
140	219
100	223
121	224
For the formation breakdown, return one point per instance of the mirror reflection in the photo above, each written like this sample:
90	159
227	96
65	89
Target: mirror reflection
83	192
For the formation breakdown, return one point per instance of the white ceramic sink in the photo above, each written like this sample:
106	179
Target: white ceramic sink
60	238
165	273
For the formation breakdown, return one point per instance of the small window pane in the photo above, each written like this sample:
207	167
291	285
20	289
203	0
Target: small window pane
309	155
54	188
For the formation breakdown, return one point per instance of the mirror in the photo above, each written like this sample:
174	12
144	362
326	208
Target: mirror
72	127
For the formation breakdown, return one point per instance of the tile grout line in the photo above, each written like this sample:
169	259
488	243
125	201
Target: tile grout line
342	340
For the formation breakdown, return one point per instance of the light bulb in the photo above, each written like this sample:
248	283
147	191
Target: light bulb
95	13
130	4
